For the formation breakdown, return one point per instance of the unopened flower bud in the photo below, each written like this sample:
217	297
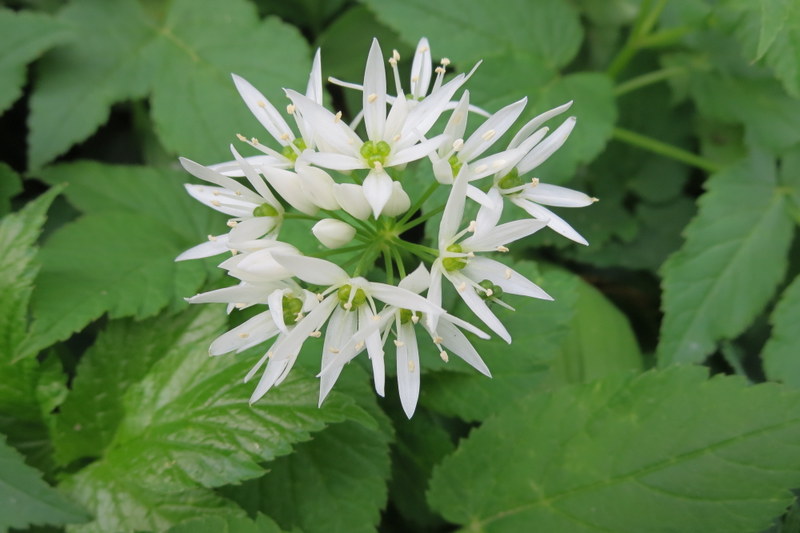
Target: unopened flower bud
333	233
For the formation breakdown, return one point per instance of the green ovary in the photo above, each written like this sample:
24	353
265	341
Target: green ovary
455	164
265	210
291	308
344	296
487	285
375	152
454	263
289	153
510	180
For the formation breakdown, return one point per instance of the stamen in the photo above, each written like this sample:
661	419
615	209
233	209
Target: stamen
261	103
488	135
240	305
411	366
372	97
347	305
439	70
378	166
338	116
399	343
438	340
458	144
243	335
232	223
255	141
471	227
480	168
445	61
534	182
462	287
319	297
395	55
488	292
216	203
212	238
285	137
316	334
415	318
444	356
270	354
333	350
501	248
595	199
234	252
507	273
359	345
290	109
241	137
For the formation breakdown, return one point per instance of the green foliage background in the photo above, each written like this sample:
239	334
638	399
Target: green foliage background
657	393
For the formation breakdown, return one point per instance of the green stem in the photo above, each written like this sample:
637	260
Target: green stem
418	204
419	250
420	220
351	220
398	258
644	22
327	253
667	150
647	79
387	260
300	216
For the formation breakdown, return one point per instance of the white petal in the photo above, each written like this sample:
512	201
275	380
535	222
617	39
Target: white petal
425	114
555	222
417	281
456	342
457	124
341	327
287	184
491	130
374	349
244	293
377	190
275	369
334	161
250	229
275	302
257	267
545	149
255	180
479	307
499	163
547	194
233	168
351	198
481	268
401	298
328	128
264	111
489	213
442	170
408	368
317	185
501	235
534	124
254	331
398	203
453	211
291	344
207	249
312	269
415	152
374	96
222	200
421	68
314	87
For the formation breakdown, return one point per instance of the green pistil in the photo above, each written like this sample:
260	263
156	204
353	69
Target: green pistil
455	164
406	316
344	296
291	308
265	210
510	180
289	152
375	152
487	285
454	263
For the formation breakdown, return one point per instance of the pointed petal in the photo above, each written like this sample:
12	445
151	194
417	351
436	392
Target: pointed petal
501	235
489	213
254	331
291	344
398	203
251	229
222	200
547	194
453	211
374	96
421	69
242	293
314	87
408	368
334	161
554	222
317	184
207	249
377	190
275	302
506	278
479	307
526	130
491	130
545	149
456	342
329	129
264	111
351	198
255	180
415	152
417	281
233	168
312	269
341	327
402	298
287	184
374	349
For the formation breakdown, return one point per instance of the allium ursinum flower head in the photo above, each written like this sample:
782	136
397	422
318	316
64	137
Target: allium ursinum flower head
349	188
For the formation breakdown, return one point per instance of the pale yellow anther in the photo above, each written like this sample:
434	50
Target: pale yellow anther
243	335
438	340
414	79
507	273
501	248
215	193
240	305
333	350
375	318
372	97
378	166
439	70
299	316
488	135
212	238
395	55
399	343
472	225
215	203
422	49
359	345
234	252
316	334
445	61
254	141
462	287
534	182
411	366
595	199
392	61
319	297
348	305
480	168
338	116
290	109
470	254
232	223
444	356
241	137
414	318
458	144
270	354
261	103
286	137
499	163
489	292
237	193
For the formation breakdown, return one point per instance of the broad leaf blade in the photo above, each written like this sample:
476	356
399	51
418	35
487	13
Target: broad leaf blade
781	354
729	267
665	450
25	499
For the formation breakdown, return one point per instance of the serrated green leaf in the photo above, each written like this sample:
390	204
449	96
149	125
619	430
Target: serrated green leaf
732	261
538	329
127	51
664	451
548	29
10	186
600	341
25	499
188	424
122	355
781	354
25	35
227	524
114	262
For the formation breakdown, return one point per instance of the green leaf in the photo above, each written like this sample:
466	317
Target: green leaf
26	500
119	263
781	354
538	329
128	51
732	261
549	29
666	450
188	424
600	343
227	524
123	354
10	186
25	36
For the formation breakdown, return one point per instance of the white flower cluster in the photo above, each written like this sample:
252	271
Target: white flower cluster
352	185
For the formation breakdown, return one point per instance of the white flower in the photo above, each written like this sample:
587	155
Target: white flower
333	233
445	335
392	140
478	279
254	213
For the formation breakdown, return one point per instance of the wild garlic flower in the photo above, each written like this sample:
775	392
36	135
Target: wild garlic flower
324	228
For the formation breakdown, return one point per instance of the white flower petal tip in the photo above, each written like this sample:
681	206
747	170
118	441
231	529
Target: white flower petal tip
333	233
